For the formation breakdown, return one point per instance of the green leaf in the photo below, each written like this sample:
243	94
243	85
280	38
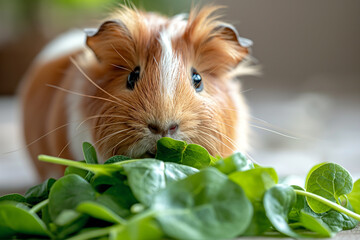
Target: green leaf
206	205
338	221
67	193
278	202
118	198
99	211
170	150
330	181
193	155
39	192
255	182
259	222
196	156
15	197
315	224
69	222
89	153
16	218
300	204
235	162
90	158
354	197
74	170
116	158
148	176
140	227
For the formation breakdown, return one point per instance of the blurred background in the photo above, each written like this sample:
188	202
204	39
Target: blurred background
305	107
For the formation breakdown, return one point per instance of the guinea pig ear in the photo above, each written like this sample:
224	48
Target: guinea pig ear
101	41
229	32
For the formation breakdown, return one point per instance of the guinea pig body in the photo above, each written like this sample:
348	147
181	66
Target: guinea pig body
139	77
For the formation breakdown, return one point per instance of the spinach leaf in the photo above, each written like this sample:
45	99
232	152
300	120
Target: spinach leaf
118	198
330	181
170	150
315	224
148	176
89	153
99	211
16	218
235	162
74	170
278	202
15	197
67	193
116	158
257	178
90	158
139	227
354	197
300	204
39	192
69	222
259	222
338	221
206	205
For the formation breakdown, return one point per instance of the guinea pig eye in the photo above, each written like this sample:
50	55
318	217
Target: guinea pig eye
196	80
133	78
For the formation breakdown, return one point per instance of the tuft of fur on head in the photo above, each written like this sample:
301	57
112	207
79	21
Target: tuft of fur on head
166	50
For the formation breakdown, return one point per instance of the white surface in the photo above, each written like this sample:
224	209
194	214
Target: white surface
16	171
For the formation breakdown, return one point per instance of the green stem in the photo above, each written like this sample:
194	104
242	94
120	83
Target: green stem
333	205
39	206
105	169
116	228
96	233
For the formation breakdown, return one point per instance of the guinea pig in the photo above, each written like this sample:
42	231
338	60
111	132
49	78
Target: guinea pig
138	77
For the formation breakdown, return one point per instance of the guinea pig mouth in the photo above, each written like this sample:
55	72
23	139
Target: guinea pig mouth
148	154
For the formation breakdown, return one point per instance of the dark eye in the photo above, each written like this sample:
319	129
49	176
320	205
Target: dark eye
133	78
196	80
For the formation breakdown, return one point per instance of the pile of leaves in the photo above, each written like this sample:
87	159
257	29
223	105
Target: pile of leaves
184	193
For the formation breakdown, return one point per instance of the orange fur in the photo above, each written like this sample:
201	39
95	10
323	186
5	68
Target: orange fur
117	118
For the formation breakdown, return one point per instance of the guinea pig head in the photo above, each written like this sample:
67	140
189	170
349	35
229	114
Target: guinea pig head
160	77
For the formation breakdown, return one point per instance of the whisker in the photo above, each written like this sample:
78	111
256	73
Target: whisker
73	138
81	94
223	135
113	149
91	81
120	67
101	116
38	139
273	131
112	45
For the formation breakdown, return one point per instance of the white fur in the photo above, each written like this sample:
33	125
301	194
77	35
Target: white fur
63	45
169	66
77	134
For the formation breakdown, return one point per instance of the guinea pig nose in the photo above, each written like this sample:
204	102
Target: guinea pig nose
156	129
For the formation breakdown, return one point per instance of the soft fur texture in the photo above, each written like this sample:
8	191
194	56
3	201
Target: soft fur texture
87	99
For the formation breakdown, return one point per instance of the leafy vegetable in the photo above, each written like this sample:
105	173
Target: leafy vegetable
278	202
329	180
184	193
148	176
16	218
201	206
170	150
39	192
354	197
